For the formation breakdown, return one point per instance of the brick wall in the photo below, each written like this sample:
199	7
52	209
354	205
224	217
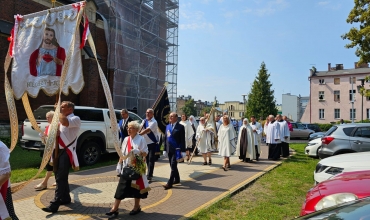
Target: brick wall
92	93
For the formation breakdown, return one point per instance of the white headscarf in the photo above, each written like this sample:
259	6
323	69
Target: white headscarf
193	121
245	125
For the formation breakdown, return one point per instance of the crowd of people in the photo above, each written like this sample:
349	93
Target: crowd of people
139	144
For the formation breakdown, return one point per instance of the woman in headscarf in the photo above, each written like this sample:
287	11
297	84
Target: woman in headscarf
194	126
226	141
205	138
6	201
134	146
189	133
245	147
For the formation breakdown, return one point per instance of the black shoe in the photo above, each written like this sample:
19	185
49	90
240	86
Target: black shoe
115	213
149	178
210	162
176	182
205	163
49	209
166	187
133	212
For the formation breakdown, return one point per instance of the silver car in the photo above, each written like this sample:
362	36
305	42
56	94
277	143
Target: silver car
300	131
345	138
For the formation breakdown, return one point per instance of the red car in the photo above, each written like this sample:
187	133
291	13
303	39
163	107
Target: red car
342	188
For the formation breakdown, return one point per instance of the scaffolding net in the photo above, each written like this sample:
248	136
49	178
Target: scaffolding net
142	50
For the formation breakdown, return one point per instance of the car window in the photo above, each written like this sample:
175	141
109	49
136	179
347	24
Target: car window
300	126
331	130
89	114
40	113
134	117
348	131
362	132
294	125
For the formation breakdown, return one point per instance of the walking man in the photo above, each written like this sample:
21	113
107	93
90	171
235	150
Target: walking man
123	124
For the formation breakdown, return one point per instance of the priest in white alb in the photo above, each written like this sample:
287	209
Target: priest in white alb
273	138
284	135
257	133
245	149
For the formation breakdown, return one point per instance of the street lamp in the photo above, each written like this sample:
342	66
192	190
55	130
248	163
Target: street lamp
360	89
243	105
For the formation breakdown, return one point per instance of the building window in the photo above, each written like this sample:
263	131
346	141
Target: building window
354	114
368	113
321	81
321	95
321	113
336	113
350	95
231	107
367	92
352	79
336	81
336	95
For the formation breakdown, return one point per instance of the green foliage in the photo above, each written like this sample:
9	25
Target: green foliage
205	110
325	127
189	108
261	101
6	141
359	36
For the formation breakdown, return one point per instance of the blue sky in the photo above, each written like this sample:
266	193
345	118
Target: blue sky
223	43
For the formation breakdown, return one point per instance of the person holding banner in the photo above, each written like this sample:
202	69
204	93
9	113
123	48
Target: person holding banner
174	145
133	144
226	141
149	130
65	155
123	124
6	201
189	133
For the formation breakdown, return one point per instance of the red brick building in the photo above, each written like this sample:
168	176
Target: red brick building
92	93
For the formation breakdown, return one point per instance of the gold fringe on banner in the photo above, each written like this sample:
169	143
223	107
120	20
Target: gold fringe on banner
11	104
51	140
30	116
108	96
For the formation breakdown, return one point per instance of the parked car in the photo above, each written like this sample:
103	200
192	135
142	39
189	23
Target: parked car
358	209
300	131
314	127
94	138
313	147
331	166
345	138
316	135
341	188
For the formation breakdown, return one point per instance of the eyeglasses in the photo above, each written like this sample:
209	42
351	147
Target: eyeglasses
148	112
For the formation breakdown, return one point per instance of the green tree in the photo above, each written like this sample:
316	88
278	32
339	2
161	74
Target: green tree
359	36
189	108
261	101
206	109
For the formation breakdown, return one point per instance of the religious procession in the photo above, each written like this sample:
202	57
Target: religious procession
53	42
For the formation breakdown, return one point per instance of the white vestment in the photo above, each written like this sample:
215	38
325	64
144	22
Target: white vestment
251	150
226	141
205	138
284	131
4	169
273	133
257	135
188	133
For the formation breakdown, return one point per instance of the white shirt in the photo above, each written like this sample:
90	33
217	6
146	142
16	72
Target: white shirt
138	143
284	130
68	134
273	133
153	126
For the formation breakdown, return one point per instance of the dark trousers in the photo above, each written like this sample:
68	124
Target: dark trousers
9	204
274	151
257	154
285	149
175	176
150	159
61	178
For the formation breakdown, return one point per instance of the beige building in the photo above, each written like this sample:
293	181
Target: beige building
235	109
334	95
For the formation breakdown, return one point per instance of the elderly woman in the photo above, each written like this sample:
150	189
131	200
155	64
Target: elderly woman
189	133
133	145
49	168
205	137
226	141
245	148
6	201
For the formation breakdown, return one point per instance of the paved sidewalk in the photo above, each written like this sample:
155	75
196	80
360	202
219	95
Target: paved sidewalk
92	191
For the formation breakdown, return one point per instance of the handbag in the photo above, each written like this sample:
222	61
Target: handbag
128	173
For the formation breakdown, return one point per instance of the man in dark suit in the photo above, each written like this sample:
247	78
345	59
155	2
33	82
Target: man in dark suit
175	139
123	124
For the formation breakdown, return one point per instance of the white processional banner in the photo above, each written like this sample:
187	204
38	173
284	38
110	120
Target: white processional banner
41	42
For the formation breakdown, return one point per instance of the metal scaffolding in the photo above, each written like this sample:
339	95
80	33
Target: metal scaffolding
142	50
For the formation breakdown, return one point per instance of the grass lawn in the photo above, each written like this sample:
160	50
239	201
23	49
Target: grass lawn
25	164
278	194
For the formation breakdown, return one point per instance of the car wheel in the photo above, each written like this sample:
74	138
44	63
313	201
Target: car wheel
317	152
90	153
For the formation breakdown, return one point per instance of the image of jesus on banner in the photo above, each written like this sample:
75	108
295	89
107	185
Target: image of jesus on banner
48	59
